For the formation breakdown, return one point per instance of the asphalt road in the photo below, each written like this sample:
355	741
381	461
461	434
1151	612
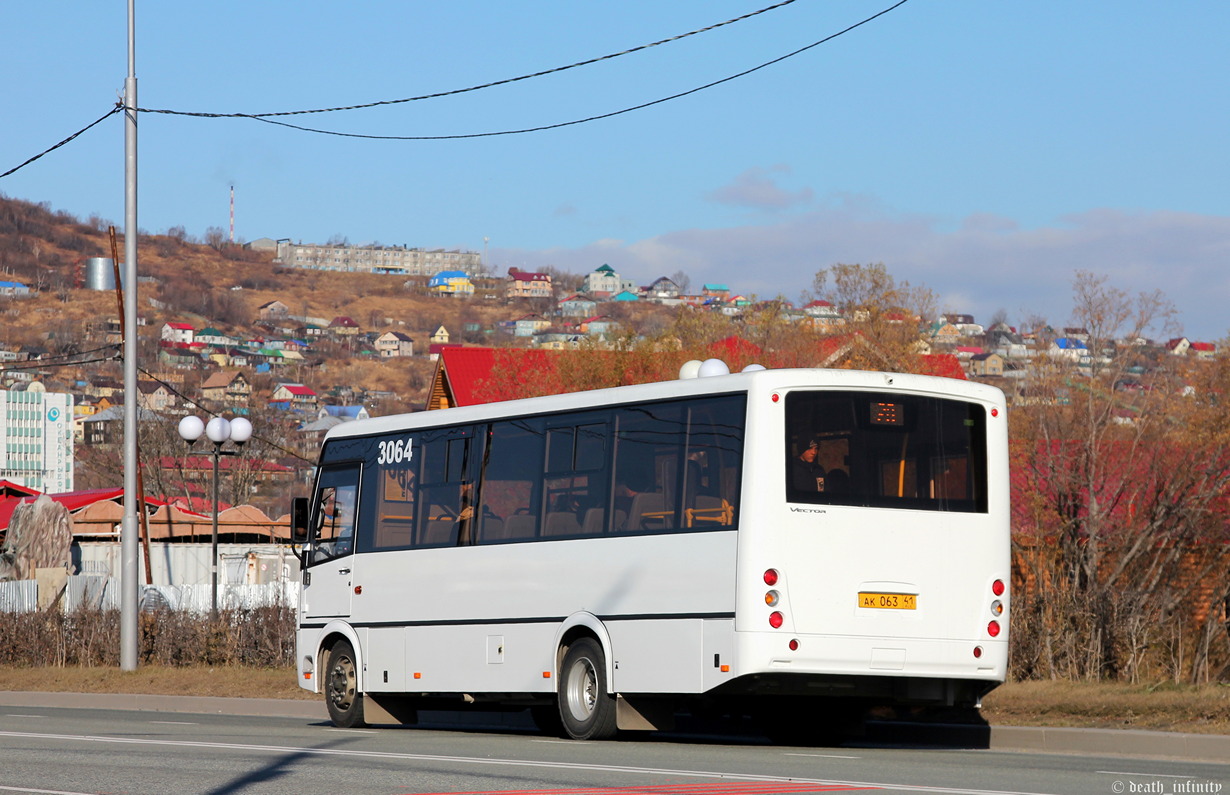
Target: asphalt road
56	749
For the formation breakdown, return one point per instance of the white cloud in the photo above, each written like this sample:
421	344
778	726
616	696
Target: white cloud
755	189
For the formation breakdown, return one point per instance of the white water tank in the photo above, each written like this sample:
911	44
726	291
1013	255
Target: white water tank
100	273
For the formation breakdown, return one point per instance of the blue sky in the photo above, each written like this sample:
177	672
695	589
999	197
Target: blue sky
987	150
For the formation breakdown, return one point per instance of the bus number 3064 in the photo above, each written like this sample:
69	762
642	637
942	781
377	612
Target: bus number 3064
396	451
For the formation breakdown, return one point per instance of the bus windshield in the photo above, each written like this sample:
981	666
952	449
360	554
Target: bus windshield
885	450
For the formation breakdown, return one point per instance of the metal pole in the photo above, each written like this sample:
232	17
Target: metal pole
213	561
128	529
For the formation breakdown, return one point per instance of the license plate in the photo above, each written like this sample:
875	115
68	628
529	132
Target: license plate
888	601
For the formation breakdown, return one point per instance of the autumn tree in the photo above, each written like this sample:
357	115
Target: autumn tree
1118	478
885	313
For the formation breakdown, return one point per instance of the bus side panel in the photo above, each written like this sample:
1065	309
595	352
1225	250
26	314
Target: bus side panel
386	652
493	629
657	656
480	658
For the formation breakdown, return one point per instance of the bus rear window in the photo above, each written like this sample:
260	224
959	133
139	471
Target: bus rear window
885	450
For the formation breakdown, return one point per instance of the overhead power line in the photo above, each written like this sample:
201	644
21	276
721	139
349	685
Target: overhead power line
118	107
267	119
492	84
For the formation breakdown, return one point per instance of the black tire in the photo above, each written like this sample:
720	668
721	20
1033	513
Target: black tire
586	709
342	696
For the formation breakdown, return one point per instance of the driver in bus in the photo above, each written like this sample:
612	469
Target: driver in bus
805	474
336	526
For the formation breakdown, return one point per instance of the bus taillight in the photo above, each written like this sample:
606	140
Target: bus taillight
776	619
993	629
770	577
997	608
997	587
772	598
794	644
977	652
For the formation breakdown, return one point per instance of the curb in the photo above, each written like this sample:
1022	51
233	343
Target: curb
1025	739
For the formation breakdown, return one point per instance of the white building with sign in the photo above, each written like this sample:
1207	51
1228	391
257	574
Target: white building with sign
36	439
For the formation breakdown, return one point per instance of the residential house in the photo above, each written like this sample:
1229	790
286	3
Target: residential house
522	284
662	289
14	290
181	355
393	344
1204	350
227	388
986	365
345	413
1179	346
451	283
604	281
155	396
719	291
944	333
625	296
1069	348
577	305
295	397
600	326
178	332
529	325
343	326
212	336
273	311
440	336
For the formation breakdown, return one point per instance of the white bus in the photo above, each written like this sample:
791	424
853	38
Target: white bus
792	544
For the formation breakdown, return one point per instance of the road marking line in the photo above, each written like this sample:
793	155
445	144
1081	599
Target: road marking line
826	756
44	791
486	761
174	723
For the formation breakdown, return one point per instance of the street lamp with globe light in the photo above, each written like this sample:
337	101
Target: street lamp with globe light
218	430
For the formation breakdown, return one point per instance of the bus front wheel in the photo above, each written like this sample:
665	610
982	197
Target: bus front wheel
342	696
586	709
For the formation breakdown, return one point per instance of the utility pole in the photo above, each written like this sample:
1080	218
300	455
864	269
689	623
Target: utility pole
129	640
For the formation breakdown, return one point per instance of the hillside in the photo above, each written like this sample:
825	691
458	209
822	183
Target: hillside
223	286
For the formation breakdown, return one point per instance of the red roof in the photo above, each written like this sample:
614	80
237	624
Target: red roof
299	390
71	500
181	326
524	276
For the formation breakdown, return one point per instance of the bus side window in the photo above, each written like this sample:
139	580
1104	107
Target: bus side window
395	509
445	495
576	483
511	494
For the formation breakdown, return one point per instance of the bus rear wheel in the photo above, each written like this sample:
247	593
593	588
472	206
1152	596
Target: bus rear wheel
342	696
586	709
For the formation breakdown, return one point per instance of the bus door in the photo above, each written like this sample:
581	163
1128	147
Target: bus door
328	578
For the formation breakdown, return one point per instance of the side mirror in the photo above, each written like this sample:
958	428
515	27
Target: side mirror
299	510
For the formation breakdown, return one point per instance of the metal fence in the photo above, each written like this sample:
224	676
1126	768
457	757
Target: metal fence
103	593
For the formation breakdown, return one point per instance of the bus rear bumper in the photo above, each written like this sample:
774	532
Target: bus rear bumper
910	669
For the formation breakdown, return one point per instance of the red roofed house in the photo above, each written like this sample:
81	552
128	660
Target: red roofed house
178	332
297	398
522	284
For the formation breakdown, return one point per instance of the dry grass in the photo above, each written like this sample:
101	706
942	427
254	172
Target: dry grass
1199	710
196	680
1203	709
